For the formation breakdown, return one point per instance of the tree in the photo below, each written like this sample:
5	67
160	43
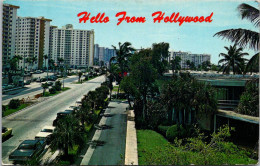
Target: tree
66	134
143	74
44	86
232	60
159	57
249	100
192	66
175	64
186	95
80	74
123	53
129	88
188	63
206	65
245	37
45	58
34	59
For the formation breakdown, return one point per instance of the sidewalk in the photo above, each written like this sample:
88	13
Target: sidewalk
114	137
131	153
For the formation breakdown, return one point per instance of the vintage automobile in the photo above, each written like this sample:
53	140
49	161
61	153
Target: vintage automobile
27	150
6	132
61	115
45	134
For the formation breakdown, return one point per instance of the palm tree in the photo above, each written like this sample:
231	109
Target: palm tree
232	60
45	58
44	86
80	74
245	37
123	52
66	134
34	59
175	63
60	60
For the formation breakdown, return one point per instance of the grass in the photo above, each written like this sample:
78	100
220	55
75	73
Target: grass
154	149
10	111
47	94
149	141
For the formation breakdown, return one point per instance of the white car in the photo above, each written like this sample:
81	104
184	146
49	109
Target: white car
45	133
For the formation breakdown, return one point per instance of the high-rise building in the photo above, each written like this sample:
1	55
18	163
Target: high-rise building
9	32
74	46
104	54
96	53
197	59
32	41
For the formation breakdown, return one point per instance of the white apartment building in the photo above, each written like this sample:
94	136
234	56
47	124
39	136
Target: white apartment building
8	33
74	46
32	40
198	59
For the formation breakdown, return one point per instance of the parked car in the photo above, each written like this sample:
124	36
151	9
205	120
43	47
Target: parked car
45	134
49	83
52	78
27	82
27	150
61	115
6	132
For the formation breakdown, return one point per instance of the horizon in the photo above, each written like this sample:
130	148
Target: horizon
196	38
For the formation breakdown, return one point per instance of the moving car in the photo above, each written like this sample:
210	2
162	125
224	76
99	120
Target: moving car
6	132
27	150
49	83
45	134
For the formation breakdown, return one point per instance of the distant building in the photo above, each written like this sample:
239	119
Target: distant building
103	54
198	59
8	33
75	46
32	40
96	54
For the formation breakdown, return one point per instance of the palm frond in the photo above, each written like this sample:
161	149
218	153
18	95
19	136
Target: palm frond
250	13
242	37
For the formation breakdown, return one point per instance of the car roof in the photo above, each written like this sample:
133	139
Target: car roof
29	142
49	127
43	134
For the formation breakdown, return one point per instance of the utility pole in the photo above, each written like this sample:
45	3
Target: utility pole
47	67
23	67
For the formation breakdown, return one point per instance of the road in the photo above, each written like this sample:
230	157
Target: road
29	89
27	123
113	151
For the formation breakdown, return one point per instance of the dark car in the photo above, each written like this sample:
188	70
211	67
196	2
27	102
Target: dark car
52	78
61	115
27	150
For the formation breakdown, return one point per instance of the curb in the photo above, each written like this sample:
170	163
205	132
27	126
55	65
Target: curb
131	152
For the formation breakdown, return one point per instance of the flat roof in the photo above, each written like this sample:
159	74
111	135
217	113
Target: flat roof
224	82
237	116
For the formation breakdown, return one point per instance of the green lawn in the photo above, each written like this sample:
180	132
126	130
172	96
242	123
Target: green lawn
10	111
154	149
47	94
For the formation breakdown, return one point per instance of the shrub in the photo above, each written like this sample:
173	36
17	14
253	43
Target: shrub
52	90
58	85
174	132
14	103
3	109
163	129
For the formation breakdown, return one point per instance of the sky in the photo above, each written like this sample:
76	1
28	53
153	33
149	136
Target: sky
189	37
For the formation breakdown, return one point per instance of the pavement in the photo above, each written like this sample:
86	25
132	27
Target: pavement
131	153
28	122
31	90
114	137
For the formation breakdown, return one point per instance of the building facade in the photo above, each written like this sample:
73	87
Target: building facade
103	54
8	33
197	59
74	46
32	41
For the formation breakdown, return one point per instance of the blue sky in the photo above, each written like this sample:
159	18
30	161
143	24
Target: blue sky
193	37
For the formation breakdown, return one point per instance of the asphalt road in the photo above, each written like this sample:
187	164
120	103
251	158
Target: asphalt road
113	151
27	123
27	90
